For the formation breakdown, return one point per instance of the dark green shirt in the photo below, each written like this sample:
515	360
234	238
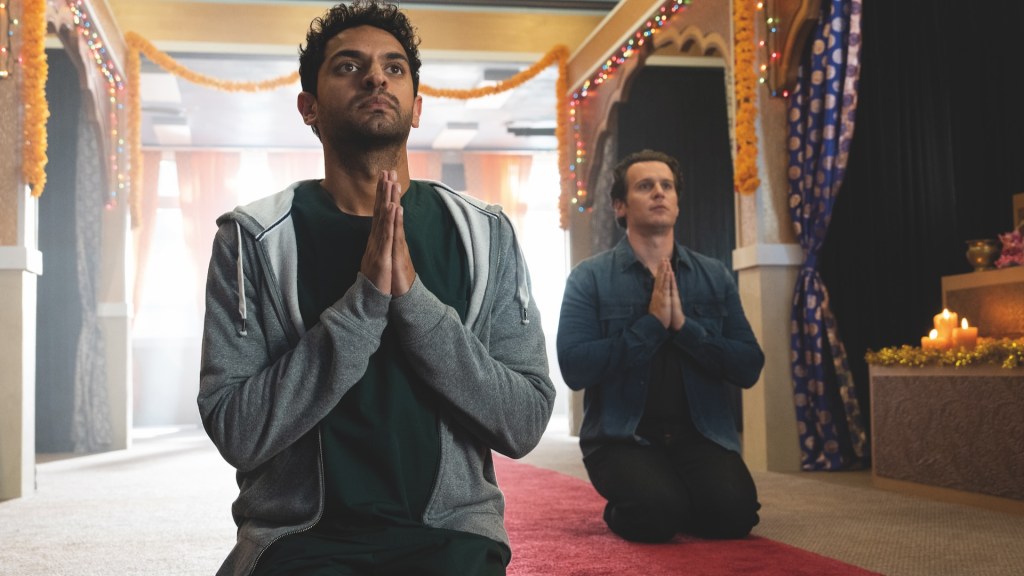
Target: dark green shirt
381	443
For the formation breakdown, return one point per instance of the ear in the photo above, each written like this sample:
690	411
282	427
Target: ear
620	208
417	109
306	103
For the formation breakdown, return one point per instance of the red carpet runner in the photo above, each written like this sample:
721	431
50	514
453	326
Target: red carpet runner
554	523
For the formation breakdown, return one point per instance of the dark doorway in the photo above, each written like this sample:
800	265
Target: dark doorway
682	111
59	316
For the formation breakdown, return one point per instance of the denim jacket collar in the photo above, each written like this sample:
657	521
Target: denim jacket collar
624	253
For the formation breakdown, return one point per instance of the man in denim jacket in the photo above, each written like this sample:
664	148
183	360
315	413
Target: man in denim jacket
655	334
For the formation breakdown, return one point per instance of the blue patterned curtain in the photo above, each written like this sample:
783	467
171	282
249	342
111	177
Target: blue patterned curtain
821	118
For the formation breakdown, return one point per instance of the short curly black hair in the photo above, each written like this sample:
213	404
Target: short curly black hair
385	16
618	191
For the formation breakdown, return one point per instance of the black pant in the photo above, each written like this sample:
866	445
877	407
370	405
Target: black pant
653	492
384	551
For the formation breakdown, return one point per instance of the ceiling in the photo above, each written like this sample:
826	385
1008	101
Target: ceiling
179	114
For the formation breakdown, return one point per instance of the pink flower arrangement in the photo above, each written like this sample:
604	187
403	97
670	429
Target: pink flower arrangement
1012	253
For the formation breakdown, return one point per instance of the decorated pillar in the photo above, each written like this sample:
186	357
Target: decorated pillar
767	37
21	41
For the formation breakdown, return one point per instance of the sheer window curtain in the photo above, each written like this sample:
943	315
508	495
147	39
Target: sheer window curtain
206	182
499	179
176	238
284	168
425	165
143	229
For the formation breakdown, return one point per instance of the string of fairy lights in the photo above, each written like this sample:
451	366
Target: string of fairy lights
7	25
619	57
116	92
768	45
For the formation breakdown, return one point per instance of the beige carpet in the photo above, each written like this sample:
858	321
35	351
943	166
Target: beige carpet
162	508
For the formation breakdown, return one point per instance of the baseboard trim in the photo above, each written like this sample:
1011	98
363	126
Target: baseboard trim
974	499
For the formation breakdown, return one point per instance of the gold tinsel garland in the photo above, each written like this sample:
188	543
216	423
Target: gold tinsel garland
33	94
1004	352
137	44
745	178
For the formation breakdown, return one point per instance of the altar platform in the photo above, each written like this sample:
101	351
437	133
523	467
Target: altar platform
954	434
993	300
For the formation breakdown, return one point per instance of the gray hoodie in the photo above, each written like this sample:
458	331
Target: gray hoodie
266	382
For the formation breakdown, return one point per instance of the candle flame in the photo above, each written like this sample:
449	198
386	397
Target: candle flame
945	313
963	323
933	334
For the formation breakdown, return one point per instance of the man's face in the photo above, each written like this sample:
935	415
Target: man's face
364	93
651	203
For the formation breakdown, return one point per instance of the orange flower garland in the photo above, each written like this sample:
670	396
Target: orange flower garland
33	94
134	72
165	61
561	136
559	54
745	177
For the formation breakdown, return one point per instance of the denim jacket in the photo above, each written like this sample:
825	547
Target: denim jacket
606	339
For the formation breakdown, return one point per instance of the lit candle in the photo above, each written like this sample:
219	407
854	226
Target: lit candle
945	322
965	336
933	341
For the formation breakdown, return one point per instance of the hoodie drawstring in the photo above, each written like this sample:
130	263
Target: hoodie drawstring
522	278
241	281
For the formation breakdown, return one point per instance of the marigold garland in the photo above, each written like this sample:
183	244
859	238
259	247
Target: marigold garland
562	138
33	94
1005	352
745	176
134	73
560	55
137	44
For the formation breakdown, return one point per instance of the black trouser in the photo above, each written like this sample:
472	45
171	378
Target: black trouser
384	551
655	491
